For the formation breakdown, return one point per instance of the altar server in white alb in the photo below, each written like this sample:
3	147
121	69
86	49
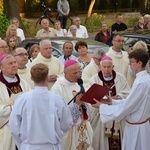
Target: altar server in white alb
136	107
39	117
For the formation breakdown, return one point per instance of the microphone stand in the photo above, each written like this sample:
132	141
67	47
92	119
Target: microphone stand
73	99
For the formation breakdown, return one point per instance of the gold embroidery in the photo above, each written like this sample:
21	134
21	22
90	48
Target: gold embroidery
15	89
83	145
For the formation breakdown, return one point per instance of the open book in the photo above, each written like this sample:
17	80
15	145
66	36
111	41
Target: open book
95	91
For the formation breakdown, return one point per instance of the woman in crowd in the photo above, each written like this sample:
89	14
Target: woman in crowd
140	25
12	33
20	32
59	30
103	35
73	32
11	44
84	58
34	50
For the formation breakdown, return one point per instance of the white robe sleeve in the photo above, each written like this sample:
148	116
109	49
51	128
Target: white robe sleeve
14	124
124	108
5	111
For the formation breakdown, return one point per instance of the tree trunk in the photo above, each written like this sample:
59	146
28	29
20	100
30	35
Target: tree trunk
11	9
90	8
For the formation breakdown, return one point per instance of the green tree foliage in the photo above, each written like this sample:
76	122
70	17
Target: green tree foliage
4	22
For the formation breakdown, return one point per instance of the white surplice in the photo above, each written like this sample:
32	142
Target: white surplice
136	109
80	135
39	119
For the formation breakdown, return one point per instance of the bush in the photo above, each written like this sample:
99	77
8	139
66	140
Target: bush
4	23
94	21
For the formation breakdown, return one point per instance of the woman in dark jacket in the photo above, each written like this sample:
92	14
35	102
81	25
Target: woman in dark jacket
103	35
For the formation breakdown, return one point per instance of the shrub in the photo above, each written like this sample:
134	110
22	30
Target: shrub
94	21
4	23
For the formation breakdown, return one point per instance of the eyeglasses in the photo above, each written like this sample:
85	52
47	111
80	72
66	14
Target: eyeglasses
132	62
119	41
6	47
22	54
99	59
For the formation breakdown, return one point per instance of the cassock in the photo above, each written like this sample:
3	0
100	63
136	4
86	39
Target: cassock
90	70
54	65
7	91
121	64
80	135
101	130
39	119
136	109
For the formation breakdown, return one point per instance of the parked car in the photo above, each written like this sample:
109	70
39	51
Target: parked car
57	44
131	37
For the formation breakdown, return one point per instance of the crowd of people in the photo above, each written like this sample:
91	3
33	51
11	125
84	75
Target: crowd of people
40	95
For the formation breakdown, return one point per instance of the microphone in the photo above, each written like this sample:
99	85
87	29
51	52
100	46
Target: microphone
80	83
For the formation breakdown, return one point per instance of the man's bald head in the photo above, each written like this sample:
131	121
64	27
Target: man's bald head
72	70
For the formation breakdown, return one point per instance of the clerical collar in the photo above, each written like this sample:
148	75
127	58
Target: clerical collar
109	79
10	80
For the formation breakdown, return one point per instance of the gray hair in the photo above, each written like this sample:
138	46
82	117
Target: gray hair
45	40
100	52
140	43
7	57
73	27
14	18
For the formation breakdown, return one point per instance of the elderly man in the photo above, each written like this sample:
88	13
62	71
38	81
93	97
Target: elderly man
3	47
45	56
46	31
135	108
67	50
103	137
92	68
21	56
79	136
10	86
81	30
120	58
